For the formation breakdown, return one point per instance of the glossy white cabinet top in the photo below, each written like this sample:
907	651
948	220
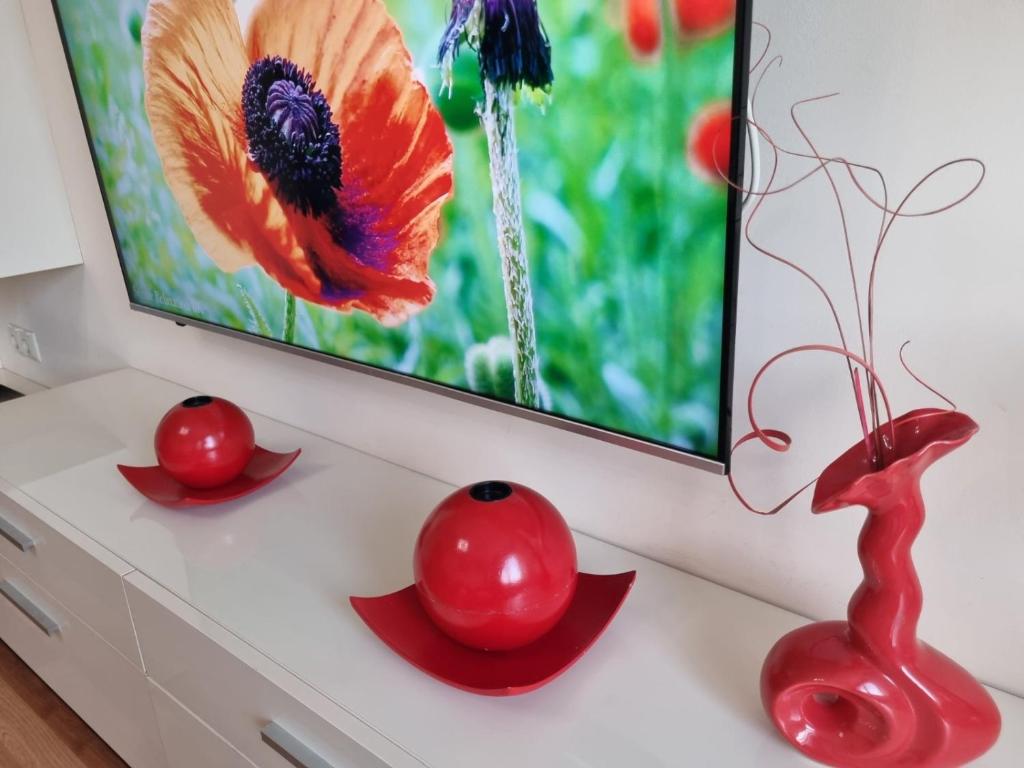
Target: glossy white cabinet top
673	682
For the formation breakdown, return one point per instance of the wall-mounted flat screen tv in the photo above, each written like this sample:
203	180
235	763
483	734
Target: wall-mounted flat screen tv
517	202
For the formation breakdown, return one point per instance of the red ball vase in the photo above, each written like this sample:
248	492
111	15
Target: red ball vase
204	442
866	692
495	566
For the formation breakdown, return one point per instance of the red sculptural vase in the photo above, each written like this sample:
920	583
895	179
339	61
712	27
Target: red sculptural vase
866	692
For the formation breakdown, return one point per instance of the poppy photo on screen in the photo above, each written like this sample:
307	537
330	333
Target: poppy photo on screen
522	199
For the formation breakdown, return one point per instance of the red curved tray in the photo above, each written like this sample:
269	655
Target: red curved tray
156	485
400	621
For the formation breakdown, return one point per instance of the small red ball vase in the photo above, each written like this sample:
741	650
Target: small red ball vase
204	442
865	692
495	566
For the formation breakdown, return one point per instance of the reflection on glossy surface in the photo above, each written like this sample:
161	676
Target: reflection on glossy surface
866	693
214	539
495	566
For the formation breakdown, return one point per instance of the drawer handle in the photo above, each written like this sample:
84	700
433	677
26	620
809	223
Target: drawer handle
15	535
23	603
291	749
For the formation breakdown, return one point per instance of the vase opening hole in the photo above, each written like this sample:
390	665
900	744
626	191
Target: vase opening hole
830	711
197	402
831	719
490	491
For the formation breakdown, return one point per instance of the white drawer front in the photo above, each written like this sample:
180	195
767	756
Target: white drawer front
71	567
188	741
105	690
262	710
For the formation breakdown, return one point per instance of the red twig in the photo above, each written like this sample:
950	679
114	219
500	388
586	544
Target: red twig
921	381
776	439
784	446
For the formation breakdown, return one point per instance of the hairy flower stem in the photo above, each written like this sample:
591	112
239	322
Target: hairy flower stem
254	312
499	125
289	319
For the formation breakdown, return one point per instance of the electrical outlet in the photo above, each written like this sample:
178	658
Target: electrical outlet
25	342
31	344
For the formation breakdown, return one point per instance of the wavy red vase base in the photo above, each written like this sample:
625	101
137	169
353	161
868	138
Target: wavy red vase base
837	706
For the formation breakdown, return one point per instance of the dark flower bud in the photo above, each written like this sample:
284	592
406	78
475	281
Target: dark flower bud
512	47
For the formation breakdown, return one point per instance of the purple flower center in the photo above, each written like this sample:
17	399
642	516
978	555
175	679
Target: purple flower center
291	110
292	136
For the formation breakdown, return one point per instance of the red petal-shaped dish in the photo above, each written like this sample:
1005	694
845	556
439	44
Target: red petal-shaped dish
400	621
156	485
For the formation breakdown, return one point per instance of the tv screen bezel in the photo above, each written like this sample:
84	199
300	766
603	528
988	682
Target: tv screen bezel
719	464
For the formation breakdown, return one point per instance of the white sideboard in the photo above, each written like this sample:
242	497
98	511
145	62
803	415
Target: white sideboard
223	638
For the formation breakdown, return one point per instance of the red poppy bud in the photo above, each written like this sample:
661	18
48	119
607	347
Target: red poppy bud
709	142
703	18
643	27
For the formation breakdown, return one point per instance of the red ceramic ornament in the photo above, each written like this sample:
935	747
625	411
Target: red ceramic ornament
204	442
709	142
495	566
866	693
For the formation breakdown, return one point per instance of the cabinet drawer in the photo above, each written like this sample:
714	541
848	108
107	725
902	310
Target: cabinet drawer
263	711
97	682
189	742
79	573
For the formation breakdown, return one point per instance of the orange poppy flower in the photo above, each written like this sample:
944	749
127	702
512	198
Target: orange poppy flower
308	148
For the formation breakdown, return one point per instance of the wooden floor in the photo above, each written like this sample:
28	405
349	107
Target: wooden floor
38	730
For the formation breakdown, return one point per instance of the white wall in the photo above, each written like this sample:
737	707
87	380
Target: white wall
921	82
42	235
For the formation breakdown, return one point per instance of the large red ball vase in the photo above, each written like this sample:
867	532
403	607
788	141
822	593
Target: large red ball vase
865	692
204	442
495	566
